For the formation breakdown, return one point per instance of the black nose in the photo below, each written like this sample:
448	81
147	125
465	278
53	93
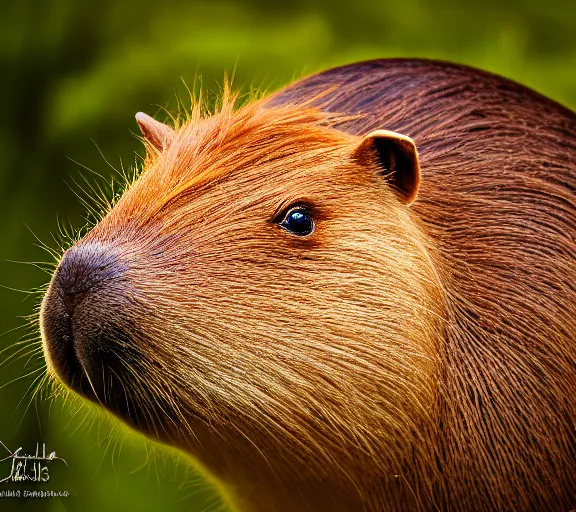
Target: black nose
81	315
84	268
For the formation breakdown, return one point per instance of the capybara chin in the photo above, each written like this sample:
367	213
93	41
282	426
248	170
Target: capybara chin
357	294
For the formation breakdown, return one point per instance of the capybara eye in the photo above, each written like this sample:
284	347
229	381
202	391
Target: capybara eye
298	220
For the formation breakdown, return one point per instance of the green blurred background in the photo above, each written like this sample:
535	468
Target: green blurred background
72	76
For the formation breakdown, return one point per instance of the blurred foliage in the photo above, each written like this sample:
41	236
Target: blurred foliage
74	74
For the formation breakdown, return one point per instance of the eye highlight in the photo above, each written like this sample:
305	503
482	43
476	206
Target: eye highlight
297	220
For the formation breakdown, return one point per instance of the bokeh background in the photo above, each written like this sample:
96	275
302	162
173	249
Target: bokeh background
74	73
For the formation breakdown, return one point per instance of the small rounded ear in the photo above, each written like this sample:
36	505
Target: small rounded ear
397	157
156	133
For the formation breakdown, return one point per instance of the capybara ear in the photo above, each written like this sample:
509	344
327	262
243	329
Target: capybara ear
397	157
158	134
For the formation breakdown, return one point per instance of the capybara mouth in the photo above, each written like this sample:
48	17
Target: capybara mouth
85	342
98	373
89	363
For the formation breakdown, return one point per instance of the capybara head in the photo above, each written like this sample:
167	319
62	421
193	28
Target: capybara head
271	296
260	296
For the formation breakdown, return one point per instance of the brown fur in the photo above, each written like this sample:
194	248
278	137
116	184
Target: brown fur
398	359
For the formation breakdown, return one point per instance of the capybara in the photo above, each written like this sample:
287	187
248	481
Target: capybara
356	294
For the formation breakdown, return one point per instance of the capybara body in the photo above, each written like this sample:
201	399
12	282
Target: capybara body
357	294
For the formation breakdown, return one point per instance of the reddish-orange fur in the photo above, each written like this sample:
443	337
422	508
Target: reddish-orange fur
498	197
401	358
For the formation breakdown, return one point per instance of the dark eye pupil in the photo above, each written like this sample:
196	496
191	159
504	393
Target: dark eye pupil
299	222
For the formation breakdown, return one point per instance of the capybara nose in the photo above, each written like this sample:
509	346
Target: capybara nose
81	305
83	268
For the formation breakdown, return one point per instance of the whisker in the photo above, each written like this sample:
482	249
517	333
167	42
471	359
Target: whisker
21	377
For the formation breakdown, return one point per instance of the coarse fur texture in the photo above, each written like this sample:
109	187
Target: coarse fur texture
400	358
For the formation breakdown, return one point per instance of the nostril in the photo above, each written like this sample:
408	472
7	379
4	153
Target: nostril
85	267
72	299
